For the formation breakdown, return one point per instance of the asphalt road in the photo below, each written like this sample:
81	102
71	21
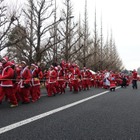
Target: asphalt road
110	116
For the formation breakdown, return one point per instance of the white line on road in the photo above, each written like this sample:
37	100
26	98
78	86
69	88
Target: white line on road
29	120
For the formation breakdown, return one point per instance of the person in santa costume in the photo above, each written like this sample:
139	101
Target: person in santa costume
7	83
75	78
124	81
89	78
18	70
106	81
15	79
25	83
35	82
85	79
96	80
69	80
61	80
51	77
112	81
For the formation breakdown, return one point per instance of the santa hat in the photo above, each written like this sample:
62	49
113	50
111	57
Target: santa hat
5	58
12	62
52	67
56	68
23	62
59	67
34	65
74	65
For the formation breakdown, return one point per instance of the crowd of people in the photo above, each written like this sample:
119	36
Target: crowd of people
20	83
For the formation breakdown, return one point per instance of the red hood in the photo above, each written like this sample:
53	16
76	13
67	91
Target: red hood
6	64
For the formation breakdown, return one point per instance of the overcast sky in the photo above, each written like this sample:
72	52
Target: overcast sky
120	16
123	17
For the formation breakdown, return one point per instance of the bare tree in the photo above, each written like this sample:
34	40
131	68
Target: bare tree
96	44
55	35
39	23
101	48
69	31
19	50
80	42
111	60
6	23
86	53
115	61
54	50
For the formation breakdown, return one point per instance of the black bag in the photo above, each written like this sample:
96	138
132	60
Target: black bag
26	85
14	76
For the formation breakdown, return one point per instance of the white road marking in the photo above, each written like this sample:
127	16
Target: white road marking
29	120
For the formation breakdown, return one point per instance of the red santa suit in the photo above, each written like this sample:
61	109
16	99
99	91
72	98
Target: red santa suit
35	83
85	79
61	80
51	81
75	78
119	79
18	71
24	84
15	80
96	80
69	80
7	84
106	82
112	83
134	79
89	78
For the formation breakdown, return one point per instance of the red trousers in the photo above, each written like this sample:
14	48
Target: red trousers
85	84
61	85
51	89
35	92
25	94
9	93
75	84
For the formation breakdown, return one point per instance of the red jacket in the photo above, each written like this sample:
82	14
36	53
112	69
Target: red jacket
76	73
84	75
60	75
51	76
35	77
7	76
25	76
134	75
